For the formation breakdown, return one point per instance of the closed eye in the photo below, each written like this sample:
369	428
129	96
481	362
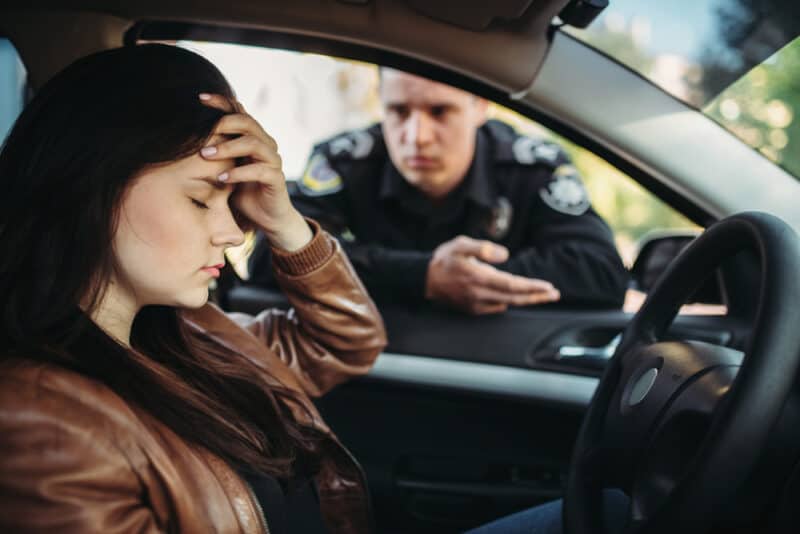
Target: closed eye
199	204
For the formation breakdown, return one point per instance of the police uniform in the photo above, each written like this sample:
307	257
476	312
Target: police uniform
520	192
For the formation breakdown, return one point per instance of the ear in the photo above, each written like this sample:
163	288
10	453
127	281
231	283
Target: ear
481	107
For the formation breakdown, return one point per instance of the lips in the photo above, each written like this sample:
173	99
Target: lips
213	270
421	162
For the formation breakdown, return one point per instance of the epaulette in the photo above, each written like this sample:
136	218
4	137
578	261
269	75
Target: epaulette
511	147
354	145
321	176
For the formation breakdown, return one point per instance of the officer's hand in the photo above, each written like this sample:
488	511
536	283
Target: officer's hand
260	198
459	275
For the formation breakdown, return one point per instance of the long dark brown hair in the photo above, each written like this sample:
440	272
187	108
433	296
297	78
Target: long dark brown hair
64	169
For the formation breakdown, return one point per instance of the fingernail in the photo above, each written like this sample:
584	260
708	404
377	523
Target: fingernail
204	96
209	151
223	177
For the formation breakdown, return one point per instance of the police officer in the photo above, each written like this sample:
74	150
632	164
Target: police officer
436	203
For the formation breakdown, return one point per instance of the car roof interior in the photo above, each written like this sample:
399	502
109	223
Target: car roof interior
501	43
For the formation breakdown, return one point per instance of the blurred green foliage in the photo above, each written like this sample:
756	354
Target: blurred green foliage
761	108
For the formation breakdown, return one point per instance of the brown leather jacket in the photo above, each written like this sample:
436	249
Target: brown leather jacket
75	457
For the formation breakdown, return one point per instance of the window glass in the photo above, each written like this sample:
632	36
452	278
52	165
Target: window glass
761	108
12	86
736	60
302	99
693	49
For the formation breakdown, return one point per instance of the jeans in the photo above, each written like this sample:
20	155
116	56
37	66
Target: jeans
546	518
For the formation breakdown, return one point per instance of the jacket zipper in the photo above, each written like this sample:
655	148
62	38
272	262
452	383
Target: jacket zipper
257	506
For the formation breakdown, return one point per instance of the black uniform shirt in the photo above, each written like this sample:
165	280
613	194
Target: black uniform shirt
520	192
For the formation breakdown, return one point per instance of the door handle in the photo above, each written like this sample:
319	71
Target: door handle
566	352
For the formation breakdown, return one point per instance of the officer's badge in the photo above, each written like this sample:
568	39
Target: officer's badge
500	223
528	151
320	178
565	193
358	144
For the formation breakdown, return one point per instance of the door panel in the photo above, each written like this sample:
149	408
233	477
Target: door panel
441	459
522	337
466	419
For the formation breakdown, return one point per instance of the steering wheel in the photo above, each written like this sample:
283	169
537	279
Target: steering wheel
679	425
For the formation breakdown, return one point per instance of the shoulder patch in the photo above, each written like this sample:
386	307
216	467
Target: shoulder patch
357	144
320	178
528	151
565	192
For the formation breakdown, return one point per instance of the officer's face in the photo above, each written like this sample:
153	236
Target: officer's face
430	130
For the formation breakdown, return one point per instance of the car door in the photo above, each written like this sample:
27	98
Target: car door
464	419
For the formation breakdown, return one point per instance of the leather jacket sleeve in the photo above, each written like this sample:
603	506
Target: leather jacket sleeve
333	331
60	471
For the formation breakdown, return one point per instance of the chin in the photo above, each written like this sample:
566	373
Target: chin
422	180
193	300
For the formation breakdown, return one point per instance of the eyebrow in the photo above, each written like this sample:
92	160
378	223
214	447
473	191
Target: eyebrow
213	182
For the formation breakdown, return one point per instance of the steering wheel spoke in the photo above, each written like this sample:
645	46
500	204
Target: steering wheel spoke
679	436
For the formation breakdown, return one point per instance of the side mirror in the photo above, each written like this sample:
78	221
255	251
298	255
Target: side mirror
656	251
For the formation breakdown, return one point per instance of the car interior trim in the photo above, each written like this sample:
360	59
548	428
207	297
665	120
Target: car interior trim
528	384
507	53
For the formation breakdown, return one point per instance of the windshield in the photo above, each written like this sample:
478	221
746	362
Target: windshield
738	61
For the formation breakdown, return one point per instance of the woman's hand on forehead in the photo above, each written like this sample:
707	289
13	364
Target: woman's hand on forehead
261	195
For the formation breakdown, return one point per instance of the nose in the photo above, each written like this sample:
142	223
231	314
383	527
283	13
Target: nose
226	232
419	128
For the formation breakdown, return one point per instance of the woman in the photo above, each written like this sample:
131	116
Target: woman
127	403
